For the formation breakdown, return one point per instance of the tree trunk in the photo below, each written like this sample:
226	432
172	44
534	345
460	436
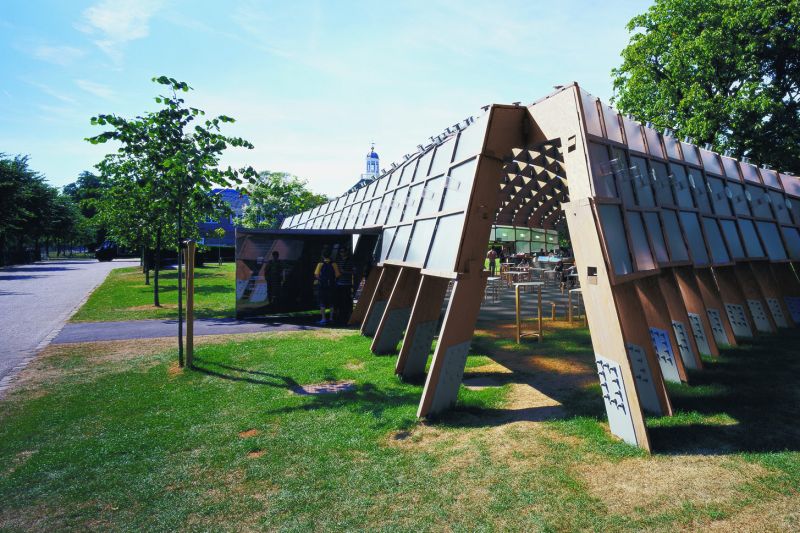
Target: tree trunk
219	255
156	265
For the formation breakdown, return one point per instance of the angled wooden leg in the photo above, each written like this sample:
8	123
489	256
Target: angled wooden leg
422	327
398	309
756	301
447	368
696	310
360	310
715	308
785	275
771	289
661	331
735	302
687	344
379	300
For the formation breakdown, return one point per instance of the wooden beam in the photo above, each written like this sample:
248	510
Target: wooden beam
379	299
422	327
398	309
360	310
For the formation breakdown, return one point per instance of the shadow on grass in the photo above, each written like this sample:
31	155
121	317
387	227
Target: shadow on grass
234	373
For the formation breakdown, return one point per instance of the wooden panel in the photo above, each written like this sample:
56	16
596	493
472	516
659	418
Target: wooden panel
762	319
422	327
360	309
679	316
734	302
714	305
379	299
693	300
654	307
398	309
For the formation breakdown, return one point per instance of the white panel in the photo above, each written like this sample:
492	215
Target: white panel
793	304
777	312
684	345
738	320
717	329
759	315
644	379
616	400
699	334
666	357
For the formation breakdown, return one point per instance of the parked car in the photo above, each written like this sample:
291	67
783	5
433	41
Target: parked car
106	252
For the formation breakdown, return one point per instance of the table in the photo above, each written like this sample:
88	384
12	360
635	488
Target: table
578	293
538	285
539	272
491	285
514	275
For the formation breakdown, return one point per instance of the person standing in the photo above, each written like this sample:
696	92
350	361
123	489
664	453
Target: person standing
492	256
326	274
343	300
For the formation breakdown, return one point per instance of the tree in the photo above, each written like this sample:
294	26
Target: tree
275	196
219	234
169	159
724	72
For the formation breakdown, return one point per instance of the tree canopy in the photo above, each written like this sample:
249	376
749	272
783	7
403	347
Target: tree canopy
724	72
275	196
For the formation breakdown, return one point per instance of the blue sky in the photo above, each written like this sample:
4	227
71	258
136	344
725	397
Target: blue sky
310	83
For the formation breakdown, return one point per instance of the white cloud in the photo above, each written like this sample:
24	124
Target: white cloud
58	55
116	22
58	95
97	89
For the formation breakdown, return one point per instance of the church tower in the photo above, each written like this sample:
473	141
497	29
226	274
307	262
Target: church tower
373	164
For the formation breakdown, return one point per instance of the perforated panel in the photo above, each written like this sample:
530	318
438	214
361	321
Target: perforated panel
684	346
700	338
666	357
616	400
717	329
793	304
738	320
644	379
759	315
776	310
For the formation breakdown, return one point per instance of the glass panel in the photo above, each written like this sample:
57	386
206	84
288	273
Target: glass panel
360	193
621	170
420	241
441	161
681	187
369	214
522	234
386	242
738	199
718	197
613	131
614	234
770	177
432	196
792	241
694	237
791	184
633	131
710	162
772	241
779	207
719	254
639	244
660	180
423	166
731	168
758	202
413	202
751	242
654	142
445	243
601	171
671	144
386	207
371	190
732	238
470	141
492	233
591	115
641	182
398	249
690	153
523	247
749	172
326	221
398	204
459	186
677	246
653	226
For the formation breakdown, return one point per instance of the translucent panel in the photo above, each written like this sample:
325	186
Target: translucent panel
523	247
504	233
653	225
334	223
441	160
654	142
719	254
355	214
719	199
470	141
613	131
778	202
732	238
413	202
671	145
371	190
770	178
381	185
677	246
680	187
391	180
345	215
621	170
697	184
749	172
420	241
445	244
432	196
368	216
640	178
690	153
360	194
738	199
398	250
772	240
601	171
633	132
423	166
710	162
731	168
751	243
382	213
350	199
591	115
326	221
791	184
792	238
661	184
522	234
386	242
492	233
691	227
458	186
614	234
759	202
639	244
398	204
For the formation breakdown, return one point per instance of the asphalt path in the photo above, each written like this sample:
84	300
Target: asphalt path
37	300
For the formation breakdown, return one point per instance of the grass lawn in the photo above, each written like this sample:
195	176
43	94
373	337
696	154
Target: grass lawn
114	436
124	296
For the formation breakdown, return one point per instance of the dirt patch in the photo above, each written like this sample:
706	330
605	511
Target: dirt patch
20	459
326	387
255	454
174	369
780	514
354	365
248	433
658	484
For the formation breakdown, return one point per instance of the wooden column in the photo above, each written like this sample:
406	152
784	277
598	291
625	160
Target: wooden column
661	331
687	344
380	298
756	301
696	310
717	317
398	309
735	303
360	310
422	327
777	282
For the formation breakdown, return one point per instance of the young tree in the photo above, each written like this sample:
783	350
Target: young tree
172	157
724	72
275	196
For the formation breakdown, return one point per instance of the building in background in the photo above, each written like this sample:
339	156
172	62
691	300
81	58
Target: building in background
373	170
237	201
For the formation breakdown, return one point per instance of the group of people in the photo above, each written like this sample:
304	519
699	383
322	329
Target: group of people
566	273
335	280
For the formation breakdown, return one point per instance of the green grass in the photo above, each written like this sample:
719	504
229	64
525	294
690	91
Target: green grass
124	295
132	445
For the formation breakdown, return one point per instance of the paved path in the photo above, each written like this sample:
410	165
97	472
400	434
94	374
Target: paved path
148	329
36	301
